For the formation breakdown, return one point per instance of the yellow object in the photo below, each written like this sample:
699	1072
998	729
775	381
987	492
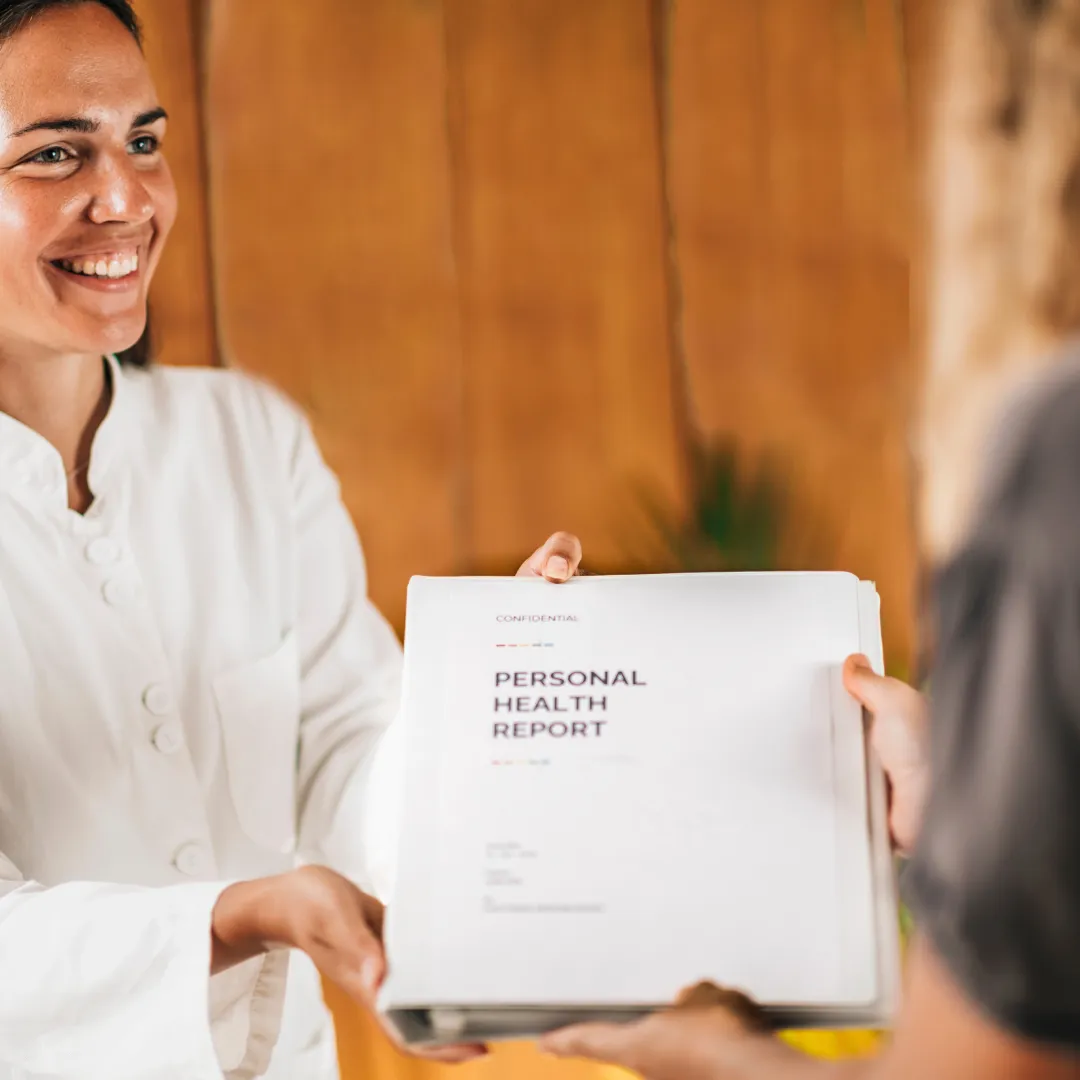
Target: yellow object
366	1053
834	1045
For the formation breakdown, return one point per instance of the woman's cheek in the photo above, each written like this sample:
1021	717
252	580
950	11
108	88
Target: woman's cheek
26	228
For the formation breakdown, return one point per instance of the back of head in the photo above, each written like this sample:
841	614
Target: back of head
1004	260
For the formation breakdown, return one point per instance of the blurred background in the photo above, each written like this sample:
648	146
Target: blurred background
639	269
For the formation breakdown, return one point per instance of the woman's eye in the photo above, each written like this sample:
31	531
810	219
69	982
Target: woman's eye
144	144
51	155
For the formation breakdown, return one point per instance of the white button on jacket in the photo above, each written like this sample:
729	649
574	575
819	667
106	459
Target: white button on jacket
167	738
157	699
193	687
102	550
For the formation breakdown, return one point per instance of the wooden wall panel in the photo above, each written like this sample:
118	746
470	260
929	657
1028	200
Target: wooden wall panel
181	297
510	255
561	252
922	19
790	184
921	25
333	250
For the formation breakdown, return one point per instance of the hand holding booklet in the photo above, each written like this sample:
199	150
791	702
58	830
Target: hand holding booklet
621	786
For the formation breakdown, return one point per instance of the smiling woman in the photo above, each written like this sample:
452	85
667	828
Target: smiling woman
197	693
88	196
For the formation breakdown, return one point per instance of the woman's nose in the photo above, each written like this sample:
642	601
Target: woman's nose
119	194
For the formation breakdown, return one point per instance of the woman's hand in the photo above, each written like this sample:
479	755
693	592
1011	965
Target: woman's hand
710	1034
558	560
899	735
322	914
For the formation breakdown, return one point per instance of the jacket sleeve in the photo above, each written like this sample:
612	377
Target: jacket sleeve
348	762
112	982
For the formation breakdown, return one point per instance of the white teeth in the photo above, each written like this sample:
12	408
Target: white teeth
115	267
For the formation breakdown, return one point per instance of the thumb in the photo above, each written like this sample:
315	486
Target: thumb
900	719
888	700
865	685
557	560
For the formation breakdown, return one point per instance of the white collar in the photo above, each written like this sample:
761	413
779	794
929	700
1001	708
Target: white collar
30	462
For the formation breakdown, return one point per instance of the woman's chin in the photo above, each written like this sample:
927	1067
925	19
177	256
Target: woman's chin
112	336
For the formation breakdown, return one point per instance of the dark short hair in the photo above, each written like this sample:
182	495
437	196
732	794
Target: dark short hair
14	16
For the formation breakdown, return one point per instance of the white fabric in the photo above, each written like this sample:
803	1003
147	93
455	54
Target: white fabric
193	686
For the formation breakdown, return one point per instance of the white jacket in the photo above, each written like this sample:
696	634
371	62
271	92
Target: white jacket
193	684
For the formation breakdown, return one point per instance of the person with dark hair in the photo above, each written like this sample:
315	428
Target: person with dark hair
196	694
16	14
993	987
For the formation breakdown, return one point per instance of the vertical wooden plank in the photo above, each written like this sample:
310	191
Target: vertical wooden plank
332	241
789	177
921	34
569	400
333	247
718	164
882	366
181	297
922	40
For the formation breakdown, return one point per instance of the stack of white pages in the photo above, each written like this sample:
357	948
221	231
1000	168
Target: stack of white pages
621	786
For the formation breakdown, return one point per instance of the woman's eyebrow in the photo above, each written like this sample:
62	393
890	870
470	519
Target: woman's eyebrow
71	123
84	126
152	116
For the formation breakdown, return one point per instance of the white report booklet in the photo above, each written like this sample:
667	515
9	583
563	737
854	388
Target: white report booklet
620	786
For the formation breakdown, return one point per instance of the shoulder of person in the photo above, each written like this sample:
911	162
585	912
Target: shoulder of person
229	397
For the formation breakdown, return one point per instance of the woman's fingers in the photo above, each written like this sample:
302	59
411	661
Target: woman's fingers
453	1054
353	958
556	560
340	928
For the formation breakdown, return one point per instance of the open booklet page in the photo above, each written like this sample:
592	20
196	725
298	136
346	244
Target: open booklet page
619	786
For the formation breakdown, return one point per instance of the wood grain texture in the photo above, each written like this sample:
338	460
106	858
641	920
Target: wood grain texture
922	22
568	381
181	297
921	34
790	184
511	255
332	240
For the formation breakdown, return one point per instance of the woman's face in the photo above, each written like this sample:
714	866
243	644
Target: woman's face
86	198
